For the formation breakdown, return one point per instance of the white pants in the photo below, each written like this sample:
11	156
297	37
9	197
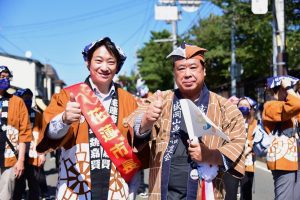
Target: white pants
7	183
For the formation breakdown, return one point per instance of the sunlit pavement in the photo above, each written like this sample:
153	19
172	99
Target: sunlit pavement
263	184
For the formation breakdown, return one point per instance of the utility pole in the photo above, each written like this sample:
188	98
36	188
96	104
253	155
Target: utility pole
278	33
233	60
274	42
174	37
233	68
281	57
174	33
167	10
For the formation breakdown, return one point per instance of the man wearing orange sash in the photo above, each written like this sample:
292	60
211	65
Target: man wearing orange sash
85	121
278	119
189	170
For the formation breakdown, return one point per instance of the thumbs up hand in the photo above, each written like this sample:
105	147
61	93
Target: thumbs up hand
72	112
153	112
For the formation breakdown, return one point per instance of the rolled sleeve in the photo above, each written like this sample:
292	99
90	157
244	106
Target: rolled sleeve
57	129
137	126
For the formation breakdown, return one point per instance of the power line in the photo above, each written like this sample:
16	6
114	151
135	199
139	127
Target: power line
80	29
146	13
137	30
3	50
198	15
103	11
94	26
22	31
11	43
22	51
63	63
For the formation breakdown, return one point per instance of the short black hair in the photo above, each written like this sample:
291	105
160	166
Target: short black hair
276	89
5	69
111	48
28	92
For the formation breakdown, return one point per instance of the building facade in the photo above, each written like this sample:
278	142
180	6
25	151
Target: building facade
42	79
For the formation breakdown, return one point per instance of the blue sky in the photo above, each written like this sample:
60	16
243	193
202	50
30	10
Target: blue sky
56	31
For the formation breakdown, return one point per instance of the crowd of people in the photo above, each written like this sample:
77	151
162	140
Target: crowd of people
20	129
107	137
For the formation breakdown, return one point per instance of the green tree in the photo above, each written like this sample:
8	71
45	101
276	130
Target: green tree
155	69
129	82
292	19
253	40
214	35
255	31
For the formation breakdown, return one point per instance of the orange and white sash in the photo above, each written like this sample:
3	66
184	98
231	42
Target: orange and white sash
114	143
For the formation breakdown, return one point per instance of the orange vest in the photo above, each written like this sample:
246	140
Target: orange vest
283	152
250	158
18	128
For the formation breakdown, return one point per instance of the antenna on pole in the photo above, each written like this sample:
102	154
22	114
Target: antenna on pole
189	5
167	10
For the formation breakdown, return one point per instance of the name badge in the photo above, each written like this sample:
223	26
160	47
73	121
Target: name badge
194	174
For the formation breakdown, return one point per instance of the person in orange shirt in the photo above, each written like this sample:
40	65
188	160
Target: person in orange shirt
247	106
15	132
34	162
85	121
282	156
179	168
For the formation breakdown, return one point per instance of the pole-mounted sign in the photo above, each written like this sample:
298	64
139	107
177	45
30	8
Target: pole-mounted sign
259	6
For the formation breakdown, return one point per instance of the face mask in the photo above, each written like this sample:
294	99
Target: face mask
244	110
28	103
4	84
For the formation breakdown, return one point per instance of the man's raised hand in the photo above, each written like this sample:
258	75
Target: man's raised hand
153	112
72	112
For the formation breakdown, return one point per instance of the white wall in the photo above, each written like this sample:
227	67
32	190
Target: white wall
23	72
48	85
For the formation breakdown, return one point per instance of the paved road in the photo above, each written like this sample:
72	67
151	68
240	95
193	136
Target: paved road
51	175
263	185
